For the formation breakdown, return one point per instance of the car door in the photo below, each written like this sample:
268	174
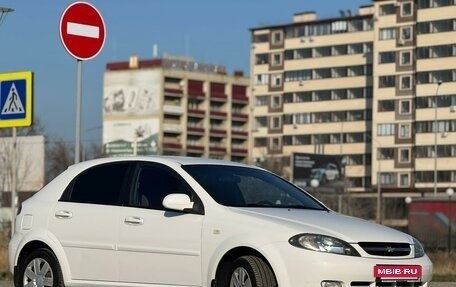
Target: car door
158	246
85	221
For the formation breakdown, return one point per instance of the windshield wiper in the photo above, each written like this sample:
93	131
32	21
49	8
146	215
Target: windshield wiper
303	207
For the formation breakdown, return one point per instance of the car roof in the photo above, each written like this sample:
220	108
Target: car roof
169	160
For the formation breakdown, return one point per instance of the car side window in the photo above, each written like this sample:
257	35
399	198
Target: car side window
153	183
101	184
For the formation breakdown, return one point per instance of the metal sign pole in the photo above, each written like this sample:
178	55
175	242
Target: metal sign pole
13	183
78	111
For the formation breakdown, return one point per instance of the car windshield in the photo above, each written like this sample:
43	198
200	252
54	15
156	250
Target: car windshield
250	187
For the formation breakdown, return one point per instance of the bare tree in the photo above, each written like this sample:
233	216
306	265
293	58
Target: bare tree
59	156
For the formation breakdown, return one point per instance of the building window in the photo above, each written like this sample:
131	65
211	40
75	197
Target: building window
385	153
276	59
406	34
386	106
387	57
404	131
386	129
276	101
276	143
406	82
261	79
387	81
276	80
276	122
406	58
406	9
405	107
260	122
304	118
387	34
386	178
277	37
261	59
404	155
259	142
404	180
387	9
261	101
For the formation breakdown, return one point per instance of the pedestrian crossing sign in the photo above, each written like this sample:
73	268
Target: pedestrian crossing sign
16	99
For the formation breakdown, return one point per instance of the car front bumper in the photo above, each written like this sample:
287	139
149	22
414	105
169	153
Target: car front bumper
299	267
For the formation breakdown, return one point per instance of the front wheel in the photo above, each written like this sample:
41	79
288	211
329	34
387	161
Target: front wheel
251	271
40	269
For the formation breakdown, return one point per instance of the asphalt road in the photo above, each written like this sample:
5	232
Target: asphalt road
5	283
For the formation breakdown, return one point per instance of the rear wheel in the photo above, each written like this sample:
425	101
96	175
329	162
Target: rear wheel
40	268
251	271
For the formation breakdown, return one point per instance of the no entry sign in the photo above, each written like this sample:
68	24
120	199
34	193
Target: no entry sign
82	30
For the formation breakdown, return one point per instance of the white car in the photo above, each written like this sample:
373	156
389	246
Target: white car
325	172
177	221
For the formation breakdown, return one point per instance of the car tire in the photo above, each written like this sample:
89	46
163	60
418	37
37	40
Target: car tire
251	271
42	268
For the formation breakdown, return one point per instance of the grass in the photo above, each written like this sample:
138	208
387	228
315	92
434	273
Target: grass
444	266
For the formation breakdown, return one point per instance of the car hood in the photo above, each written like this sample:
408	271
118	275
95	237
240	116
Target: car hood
349	229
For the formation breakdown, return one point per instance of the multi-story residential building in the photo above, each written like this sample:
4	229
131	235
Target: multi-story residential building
374	89
312	93
414	83
175	106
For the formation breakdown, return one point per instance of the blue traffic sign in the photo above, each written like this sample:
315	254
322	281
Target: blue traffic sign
16	99
12	97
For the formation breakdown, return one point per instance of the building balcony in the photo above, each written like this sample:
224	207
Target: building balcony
173	91
218	114
195	148
240	99
195	130
217	149
196	113
172	128
218	132
196	95
219	97
239	151
172	109
239	117
172	146
239	134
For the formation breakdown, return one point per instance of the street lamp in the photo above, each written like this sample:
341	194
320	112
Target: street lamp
439	83
3	12
408	200
450	193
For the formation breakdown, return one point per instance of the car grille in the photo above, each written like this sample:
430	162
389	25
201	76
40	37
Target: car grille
387	284
386	249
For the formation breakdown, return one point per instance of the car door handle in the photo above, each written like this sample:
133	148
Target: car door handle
134	220
63	214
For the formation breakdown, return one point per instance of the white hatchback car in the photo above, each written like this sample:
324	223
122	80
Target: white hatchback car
176	221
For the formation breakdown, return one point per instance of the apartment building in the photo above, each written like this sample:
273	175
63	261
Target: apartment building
414	119
175	106
312	94
373	88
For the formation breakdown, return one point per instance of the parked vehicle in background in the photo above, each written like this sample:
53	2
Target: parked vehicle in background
178	221
325	172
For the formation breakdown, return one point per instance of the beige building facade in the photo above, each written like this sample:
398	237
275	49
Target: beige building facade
372	88
175	106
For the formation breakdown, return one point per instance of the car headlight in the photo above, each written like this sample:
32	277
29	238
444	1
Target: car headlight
419	250
323	243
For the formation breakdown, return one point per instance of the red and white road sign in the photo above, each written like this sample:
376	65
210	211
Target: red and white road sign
82	30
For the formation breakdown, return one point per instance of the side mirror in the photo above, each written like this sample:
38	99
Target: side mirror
177	201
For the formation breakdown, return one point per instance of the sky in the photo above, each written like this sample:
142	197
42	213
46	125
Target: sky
209	31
